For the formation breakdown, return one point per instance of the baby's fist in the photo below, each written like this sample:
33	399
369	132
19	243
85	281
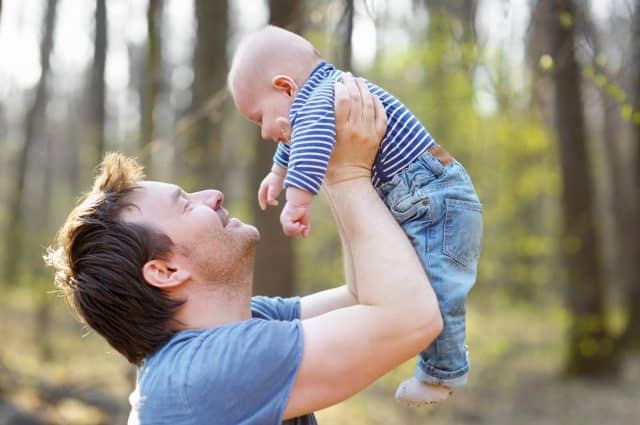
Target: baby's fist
295	220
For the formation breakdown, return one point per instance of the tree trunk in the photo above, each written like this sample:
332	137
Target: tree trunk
615	208
463	10
590	347
631	335
151	80
538	42
204	144
97	80
346	30
34	118
275	257
43	310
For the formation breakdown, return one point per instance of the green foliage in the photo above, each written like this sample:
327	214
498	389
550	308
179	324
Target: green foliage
546	63
566	19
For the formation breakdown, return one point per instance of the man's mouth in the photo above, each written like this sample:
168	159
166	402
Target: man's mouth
224	217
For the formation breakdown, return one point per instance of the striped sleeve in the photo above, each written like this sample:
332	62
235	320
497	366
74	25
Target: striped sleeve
312	141
281	157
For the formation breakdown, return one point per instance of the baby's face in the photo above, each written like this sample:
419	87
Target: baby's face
267	107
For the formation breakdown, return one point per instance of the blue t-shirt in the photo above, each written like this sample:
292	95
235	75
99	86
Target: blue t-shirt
239	373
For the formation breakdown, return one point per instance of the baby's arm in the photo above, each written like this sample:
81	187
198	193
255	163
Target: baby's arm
295	218
271	186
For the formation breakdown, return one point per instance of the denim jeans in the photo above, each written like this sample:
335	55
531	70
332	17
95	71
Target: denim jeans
435	203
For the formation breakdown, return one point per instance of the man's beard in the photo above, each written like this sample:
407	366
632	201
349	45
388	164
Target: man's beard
226	264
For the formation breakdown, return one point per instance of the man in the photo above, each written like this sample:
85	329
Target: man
166	277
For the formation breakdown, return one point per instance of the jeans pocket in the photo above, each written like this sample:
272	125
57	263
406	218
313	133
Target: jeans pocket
409	207
462	231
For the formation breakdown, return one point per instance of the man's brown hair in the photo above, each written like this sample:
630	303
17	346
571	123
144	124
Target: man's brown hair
98	262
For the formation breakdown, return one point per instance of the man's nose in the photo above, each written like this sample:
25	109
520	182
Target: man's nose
212	197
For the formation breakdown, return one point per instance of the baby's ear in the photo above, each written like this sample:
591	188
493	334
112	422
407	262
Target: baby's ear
285	83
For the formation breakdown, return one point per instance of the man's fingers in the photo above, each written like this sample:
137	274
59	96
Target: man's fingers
342	104
354	94
380	117
368	111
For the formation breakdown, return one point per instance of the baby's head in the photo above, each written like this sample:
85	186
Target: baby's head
266	72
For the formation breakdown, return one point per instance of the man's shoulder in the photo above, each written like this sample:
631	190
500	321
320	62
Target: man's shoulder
199	371
187	349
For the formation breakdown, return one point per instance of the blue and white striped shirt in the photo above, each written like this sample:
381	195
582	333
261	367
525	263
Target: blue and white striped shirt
313	132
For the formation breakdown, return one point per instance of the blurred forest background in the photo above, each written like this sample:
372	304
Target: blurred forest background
540	99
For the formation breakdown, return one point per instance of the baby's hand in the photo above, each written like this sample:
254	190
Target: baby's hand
270	187
295	218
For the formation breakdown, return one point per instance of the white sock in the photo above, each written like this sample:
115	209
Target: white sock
416	392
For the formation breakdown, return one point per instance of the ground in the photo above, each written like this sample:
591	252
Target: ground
516	353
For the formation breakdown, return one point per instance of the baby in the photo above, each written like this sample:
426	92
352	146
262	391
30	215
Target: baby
280	82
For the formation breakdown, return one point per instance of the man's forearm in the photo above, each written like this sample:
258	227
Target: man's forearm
387	271
347	261
324	301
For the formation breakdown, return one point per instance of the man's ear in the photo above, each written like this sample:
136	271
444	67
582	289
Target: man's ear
164	274
285	83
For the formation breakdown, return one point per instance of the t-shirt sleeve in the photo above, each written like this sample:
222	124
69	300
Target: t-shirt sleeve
243	373
312	139
275	308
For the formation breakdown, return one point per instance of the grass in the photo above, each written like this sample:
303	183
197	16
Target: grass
516	354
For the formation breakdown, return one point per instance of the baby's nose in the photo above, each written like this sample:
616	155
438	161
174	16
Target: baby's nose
264	133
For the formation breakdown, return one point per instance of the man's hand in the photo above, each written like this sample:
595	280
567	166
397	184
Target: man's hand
271	186
295	216
360	120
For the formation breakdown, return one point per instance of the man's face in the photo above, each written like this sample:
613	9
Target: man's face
200	228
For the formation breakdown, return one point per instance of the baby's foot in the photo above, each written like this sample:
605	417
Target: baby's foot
414	393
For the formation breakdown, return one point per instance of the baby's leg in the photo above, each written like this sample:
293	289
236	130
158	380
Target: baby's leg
437	207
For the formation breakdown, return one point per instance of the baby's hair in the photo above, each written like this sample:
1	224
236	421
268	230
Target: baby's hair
274	44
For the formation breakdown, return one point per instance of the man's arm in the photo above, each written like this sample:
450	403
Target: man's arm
324	301
347	349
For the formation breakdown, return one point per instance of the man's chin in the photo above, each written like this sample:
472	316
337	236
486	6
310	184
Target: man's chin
252	232
256	233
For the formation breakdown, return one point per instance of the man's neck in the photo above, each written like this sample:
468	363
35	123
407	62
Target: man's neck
211	304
